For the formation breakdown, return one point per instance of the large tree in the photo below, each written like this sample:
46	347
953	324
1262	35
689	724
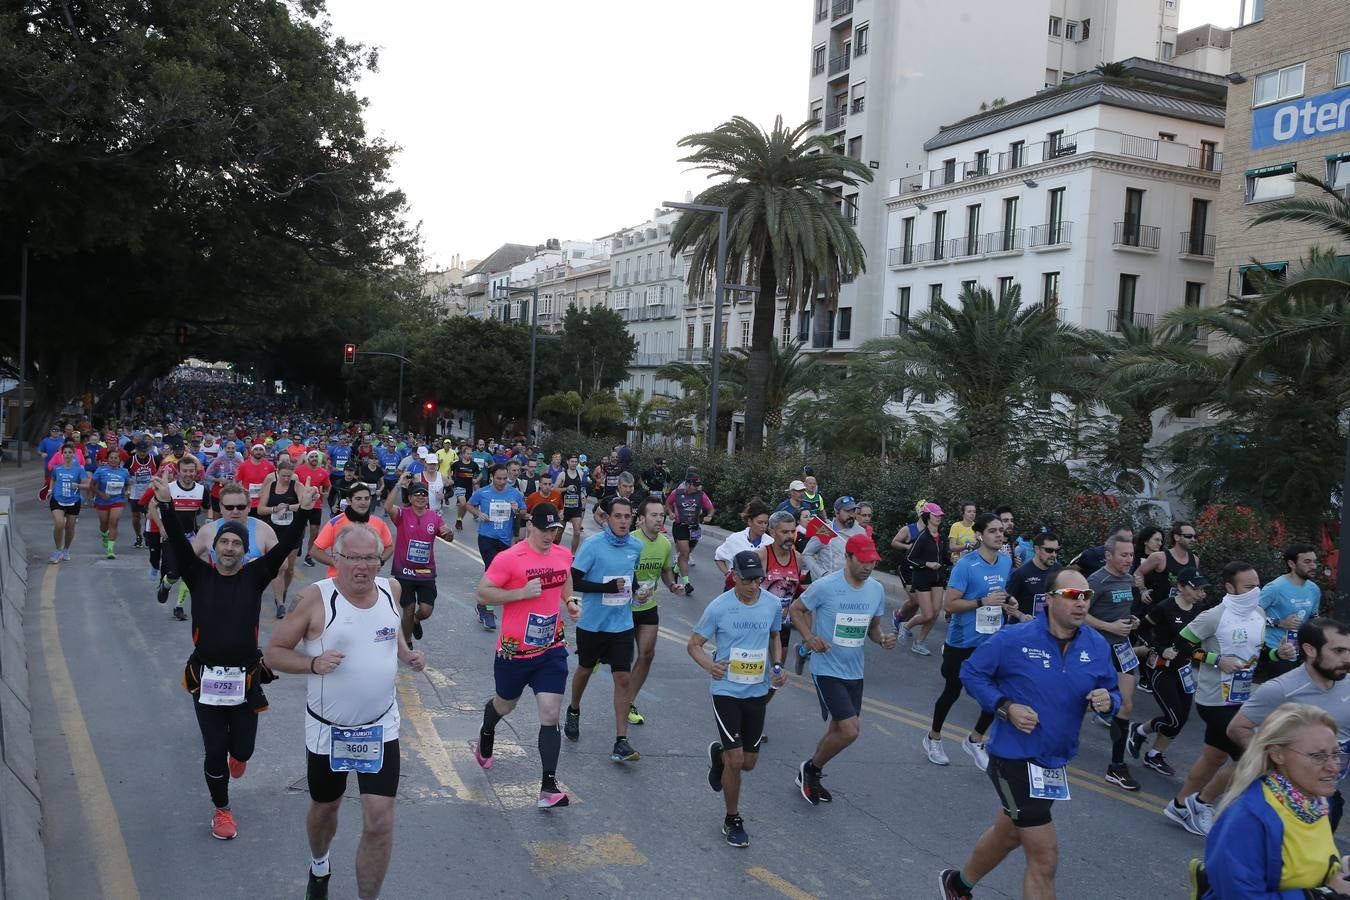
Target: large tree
786	229
196	179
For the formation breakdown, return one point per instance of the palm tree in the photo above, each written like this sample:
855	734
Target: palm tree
784	229
642	413
695	381
995	361
597	408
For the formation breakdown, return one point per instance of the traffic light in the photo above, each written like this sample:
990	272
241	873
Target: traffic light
428	407
348	354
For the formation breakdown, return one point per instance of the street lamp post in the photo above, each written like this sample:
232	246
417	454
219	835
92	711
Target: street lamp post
22	297
1343	565
534	327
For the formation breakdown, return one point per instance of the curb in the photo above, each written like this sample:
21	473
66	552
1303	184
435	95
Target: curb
23	860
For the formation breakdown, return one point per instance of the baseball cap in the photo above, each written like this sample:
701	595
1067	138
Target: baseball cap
746	564
845	502
581	457
1194	580
418	487
797	485
692	476
545	516
932	509
861	548
258	447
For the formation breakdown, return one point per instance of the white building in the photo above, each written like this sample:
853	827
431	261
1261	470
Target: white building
1095	198
885	74
647	290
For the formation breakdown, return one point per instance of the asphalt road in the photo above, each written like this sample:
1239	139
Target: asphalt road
127	814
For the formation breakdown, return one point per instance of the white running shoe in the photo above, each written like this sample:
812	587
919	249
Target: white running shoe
936	755
1202	814
976	752
920	648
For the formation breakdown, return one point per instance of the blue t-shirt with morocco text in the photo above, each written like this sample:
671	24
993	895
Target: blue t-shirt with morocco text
741	633
841	615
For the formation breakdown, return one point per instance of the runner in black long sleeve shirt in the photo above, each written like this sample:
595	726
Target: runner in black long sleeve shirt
225	674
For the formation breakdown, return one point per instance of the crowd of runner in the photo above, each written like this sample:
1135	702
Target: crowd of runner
225	501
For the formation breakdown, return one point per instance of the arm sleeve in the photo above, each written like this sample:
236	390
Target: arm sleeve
587	587
977	673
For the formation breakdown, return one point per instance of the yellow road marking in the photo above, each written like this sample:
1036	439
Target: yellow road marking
593	851
112	860
781	885
427	742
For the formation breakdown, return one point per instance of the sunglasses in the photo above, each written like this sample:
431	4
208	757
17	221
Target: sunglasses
1051	550
1073	593
234	507
1190	537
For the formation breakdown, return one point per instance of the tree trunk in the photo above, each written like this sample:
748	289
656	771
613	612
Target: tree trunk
762	335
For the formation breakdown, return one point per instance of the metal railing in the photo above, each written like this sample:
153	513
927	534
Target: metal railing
1114	318
900	256
1050	235
930	251
836	119
817	68
895	326
943	175
1132	234
841	8
966	245
847	276
860	49
1195	243
1205	158
1007	241
1142	147
839	64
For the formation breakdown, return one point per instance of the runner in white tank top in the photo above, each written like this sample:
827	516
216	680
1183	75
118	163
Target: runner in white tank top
361	691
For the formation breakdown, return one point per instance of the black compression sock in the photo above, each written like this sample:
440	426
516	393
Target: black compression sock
1120	728
550	745
490	717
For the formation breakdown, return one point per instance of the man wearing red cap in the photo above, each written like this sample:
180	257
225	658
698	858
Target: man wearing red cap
835	617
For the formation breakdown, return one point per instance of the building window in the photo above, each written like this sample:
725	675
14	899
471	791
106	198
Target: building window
1195	290
1343	67
860	41
818	60
1270	183
1167	137
1054	142
1087	28
1071	30
970	245
981	162
968	286
1050	289
902	305
859	103
934	293
948	170
907	238
855	147
851	208
1055	23
745	332
1167	50
817	110
1251	279
1129	284
723	329
803	324
822	10
1338	171
689	335
1017	154
1055	219
1278	85
939	233
845	320
1009	240
1005	286
707	335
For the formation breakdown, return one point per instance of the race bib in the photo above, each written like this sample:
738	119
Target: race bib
696	533
222	686
541	631
391	469
644	592
621	598
419	552
283	515
850	629
1048	784
254	492
988	619
1236	686
356	749
499	511
114	486
1187	676
1125	656
746	665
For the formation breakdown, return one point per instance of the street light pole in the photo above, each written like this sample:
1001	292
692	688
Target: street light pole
1343	564
22	297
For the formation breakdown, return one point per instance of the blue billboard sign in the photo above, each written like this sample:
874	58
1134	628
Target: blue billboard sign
1301	120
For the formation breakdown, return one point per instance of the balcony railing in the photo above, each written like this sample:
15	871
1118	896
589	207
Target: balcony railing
1053	234
943	175
897	257
839	64
968	245
847	276
842	8
1141	320
930	252
822	340
1205	158
1195	243
836	119
860	50
694	354
1009	241
895	326
1132	234
652	359
817	68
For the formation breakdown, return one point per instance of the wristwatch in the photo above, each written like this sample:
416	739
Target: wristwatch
1002	709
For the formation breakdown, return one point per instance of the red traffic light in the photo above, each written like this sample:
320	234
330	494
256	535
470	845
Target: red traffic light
348	354
428	406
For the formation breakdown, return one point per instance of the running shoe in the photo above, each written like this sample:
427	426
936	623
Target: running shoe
309	560
933	748
734	829
976	752
689	587
1202	814
482	750
1182	816
180	614
1134	740
237	767
317	888
1120	775
715	766
162	592
417	630
624	752
1145	685
109	550
223	827
139	543
920	648
952	887
799	663
572	724
154	574
1158	763
635	717
65	556
459	525
551	799
1195	873
808	785
54	558
487	619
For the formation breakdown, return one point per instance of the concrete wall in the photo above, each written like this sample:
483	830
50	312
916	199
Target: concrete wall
23	862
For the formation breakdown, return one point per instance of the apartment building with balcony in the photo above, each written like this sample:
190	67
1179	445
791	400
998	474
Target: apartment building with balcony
646	288
886	74
583	283
1096	198
480	283
1288	111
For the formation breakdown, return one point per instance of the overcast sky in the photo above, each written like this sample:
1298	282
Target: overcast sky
560	119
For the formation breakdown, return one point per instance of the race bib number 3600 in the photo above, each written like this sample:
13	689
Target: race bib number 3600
356	749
